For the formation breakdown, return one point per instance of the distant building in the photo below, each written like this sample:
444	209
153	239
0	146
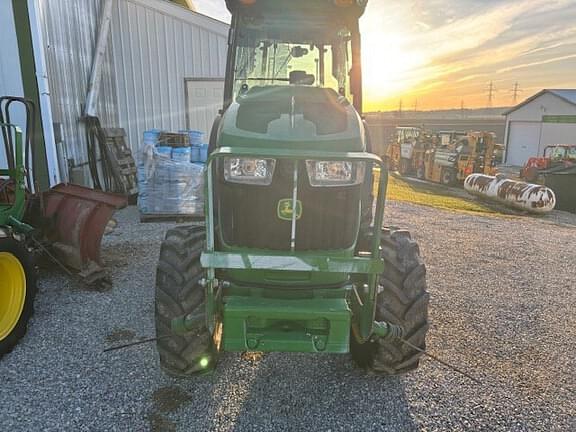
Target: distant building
547	118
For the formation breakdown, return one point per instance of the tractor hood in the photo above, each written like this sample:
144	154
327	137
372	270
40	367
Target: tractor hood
294	117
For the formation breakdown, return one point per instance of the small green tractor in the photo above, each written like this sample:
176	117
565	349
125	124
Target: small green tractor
17	269
292	256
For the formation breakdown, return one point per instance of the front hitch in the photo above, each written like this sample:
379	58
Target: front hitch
387	330
187	323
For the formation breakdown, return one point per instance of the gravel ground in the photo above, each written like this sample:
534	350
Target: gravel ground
502	308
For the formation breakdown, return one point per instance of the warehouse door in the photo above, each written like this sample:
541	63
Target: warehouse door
204	97
523	142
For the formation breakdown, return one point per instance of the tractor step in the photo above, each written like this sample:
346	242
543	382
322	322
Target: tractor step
267	324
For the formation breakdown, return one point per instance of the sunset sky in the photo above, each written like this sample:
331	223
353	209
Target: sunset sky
440	53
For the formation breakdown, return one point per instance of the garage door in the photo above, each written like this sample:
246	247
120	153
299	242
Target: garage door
203	100
523	142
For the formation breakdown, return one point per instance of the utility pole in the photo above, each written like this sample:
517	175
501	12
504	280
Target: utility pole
400	108
515	92
491	91
415	105
462	108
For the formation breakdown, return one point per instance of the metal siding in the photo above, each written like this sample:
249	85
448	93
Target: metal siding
69	29
156	46
153	47
557	133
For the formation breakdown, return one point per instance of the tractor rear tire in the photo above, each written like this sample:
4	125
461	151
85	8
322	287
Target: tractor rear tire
402	300
179	293
17	292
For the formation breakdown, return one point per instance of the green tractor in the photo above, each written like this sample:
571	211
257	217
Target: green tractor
292	256
17	269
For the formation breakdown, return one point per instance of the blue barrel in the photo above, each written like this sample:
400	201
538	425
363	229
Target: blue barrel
196	137
204	153
181	154
164	151
151	136
195	154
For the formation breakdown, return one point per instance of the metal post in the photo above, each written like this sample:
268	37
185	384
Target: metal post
294	208
211	276
101	46
367	320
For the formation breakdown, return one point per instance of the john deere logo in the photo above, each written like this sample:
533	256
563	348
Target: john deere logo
285	209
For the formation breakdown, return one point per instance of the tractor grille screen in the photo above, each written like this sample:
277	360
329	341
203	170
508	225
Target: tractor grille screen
249	214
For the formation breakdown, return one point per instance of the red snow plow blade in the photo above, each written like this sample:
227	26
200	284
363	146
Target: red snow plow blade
78	217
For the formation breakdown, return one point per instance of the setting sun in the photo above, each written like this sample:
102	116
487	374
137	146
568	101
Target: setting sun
445	54
389	71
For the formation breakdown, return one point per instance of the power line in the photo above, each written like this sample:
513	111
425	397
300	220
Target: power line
515	92
491	91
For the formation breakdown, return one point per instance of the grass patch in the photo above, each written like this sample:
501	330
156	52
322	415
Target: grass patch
434	196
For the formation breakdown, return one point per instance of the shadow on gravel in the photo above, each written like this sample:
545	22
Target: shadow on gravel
295	392
166	401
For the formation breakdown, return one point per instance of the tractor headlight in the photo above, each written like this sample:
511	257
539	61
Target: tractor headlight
335	173
249	170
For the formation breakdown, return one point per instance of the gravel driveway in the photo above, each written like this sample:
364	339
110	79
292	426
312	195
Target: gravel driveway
503	308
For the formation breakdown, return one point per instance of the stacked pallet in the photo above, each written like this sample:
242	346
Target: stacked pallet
171	185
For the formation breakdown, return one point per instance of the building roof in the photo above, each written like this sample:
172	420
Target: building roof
568	95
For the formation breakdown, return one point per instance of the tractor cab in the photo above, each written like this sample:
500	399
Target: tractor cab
561	153
293	75
295	43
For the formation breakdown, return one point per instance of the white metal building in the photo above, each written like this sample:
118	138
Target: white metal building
547	118
23	73
162	66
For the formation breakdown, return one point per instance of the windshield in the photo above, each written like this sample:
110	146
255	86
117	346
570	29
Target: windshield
319	58
562	152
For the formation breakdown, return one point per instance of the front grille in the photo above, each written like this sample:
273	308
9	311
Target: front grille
248	214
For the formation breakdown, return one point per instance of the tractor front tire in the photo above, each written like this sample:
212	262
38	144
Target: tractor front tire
179	293
402	300
17	292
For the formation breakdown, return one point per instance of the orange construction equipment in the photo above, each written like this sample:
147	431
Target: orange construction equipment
561	155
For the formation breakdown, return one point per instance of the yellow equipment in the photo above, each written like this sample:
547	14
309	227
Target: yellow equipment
473	153
405	153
